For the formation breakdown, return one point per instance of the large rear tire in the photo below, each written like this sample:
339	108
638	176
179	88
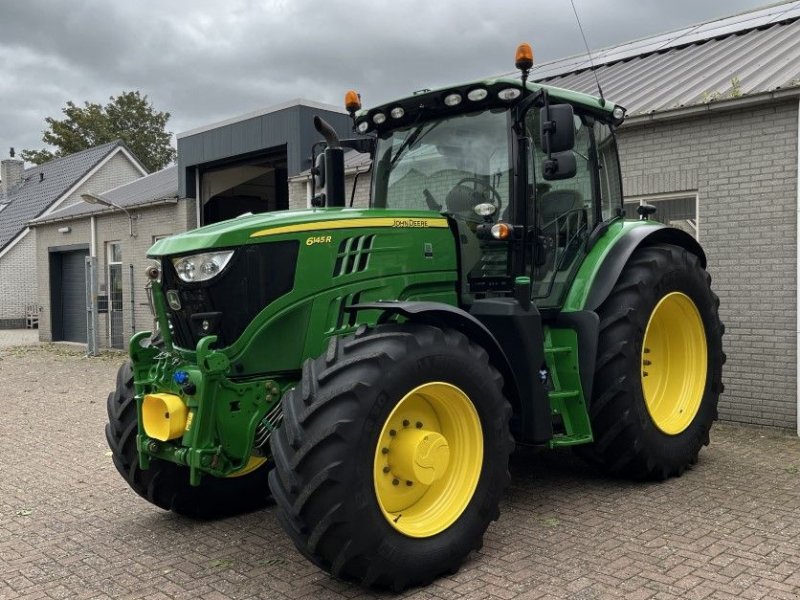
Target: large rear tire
659	366
166	484
393	455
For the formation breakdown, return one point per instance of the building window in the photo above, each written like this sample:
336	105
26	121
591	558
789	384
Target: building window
676	210
161	237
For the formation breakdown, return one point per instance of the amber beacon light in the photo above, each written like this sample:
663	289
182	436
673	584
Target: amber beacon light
352	101
523	59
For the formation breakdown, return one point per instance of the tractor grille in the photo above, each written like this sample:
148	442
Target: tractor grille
353	255
226	304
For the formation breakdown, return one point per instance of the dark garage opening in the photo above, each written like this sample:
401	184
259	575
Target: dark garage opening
255	185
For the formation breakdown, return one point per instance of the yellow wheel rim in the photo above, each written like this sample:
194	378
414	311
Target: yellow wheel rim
674	363
252	464
428	459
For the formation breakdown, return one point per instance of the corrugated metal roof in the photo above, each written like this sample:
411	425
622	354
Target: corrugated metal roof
746	54
44	184
160	185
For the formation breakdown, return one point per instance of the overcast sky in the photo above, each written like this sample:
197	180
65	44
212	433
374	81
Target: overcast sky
206	60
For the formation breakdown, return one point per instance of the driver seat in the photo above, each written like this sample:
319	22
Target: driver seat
461	200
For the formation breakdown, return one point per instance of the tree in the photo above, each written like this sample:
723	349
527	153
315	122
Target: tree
130	117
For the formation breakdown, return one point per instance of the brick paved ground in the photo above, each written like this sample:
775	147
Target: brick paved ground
69	527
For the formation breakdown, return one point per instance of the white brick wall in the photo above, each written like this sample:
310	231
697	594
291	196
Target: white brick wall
298	192
18	277
743	165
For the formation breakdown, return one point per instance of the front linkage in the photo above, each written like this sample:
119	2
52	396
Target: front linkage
191	413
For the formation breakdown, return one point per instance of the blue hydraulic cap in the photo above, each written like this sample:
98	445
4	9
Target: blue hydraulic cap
180	377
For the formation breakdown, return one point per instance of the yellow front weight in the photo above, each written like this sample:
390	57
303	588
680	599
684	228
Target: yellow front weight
163	416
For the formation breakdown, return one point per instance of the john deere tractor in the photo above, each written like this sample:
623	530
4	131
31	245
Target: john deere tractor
372	369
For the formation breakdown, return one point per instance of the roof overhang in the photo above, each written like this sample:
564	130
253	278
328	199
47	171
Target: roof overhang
727	104
100	211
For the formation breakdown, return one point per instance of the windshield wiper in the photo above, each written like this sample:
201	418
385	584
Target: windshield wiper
415	136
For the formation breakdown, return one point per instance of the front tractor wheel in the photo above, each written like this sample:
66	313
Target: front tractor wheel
166	484
659	366
392	455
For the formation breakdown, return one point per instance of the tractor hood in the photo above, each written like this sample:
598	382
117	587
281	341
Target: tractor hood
252	229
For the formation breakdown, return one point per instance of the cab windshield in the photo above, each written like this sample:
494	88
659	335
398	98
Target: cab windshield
447	165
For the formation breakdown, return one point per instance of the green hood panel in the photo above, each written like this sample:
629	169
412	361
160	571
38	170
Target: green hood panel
253	229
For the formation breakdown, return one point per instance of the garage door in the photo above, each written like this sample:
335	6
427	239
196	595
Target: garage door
73	296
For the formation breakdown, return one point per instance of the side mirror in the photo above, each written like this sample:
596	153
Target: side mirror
560	165
557	121
319	171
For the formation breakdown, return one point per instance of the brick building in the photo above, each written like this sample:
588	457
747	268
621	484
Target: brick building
37	191
117	237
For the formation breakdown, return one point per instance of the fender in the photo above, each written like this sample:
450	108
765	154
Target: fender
438	314
617	257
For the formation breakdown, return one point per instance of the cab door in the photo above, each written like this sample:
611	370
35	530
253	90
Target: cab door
562	214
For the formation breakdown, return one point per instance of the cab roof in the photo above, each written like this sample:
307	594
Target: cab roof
432	101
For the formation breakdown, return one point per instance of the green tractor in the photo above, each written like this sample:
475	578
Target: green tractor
371	370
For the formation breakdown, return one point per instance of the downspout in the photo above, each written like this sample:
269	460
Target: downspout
797	280
91	304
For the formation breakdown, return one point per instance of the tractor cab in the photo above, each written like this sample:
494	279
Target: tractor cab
527	174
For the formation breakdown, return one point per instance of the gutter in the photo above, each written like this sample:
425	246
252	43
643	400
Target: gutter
797	265
96	213
715	106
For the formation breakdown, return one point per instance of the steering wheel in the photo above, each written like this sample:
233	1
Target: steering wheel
564	217
495	195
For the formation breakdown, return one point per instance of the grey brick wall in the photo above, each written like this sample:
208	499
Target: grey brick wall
18	265
149	222
298	193
743	165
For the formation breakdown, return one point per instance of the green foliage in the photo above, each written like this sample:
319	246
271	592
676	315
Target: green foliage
736	87
715	96
130	117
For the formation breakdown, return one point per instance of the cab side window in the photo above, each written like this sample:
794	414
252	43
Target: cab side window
608	171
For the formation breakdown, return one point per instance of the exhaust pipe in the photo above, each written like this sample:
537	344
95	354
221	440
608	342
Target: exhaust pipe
334	164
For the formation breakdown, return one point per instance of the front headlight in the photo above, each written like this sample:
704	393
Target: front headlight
201	267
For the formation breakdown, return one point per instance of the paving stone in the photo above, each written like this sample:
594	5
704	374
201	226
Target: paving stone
71	528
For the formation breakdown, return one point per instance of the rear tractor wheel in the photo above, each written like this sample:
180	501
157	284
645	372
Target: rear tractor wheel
392	455
166	484
659	366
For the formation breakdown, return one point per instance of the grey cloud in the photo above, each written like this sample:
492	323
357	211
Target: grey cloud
204	60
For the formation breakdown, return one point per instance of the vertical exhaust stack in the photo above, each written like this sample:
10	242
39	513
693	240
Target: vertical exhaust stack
334	164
